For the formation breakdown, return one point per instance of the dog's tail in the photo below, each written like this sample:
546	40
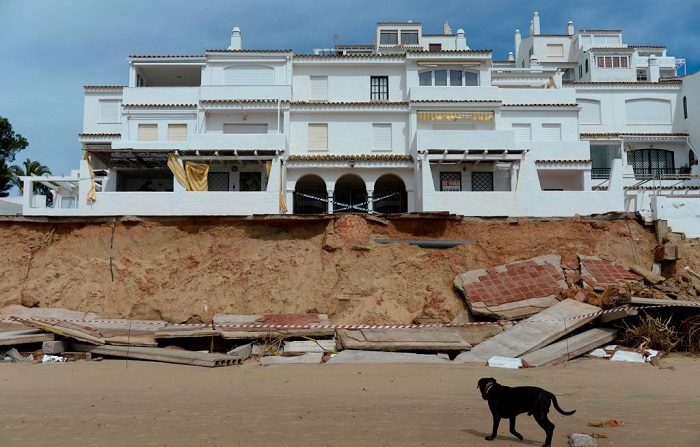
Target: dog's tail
556	405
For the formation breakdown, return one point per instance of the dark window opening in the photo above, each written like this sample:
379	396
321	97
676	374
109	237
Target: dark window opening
390	195
389	38
251	181
586	65
310	193
218	181
435	47
379	88
651	163
685	108
482	181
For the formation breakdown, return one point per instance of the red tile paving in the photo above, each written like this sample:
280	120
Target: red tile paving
521	281
605	272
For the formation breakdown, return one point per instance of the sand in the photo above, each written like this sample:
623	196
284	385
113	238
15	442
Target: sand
114	403
189	270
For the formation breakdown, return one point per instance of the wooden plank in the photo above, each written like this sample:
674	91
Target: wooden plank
655	302
570	348
160	355
533	333
24	337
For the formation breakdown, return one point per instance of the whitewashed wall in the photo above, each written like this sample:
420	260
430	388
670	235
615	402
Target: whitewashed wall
349	82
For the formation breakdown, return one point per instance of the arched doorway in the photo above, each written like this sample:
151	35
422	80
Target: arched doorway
350	195
390	195
307	194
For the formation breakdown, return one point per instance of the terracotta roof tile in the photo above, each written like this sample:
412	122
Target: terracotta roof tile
450	51
542	105
350	103
168	56
99	134
226	50
439	35
399	23
159	106
362	46
648	46
600	31
349	56
243	101
617	49
613	83
110	87
562	161
457	100
633	134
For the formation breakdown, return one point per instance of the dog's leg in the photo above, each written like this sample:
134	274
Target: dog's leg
512	429
496	421
547	426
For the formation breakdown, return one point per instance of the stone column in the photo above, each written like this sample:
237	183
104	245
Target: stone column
370	205
330	202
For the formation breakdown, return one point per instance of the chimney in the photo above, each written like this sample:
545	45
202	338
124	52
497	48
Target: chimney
654	72
570	28
532	27
236	39
461	40
536	24
510	56
534	61
446	28
518	38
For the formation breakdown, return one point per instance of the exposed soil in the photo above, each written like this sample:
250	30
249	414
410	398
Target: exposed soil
189	270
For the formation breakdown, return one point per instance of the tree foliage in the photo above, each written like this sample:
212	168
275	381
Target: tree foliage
10	144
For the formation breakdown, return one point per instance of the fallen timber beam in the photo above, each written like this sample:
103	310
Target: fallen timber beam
161	355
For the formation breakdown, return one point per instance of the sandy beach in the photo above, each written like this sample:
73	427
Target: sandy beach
118	403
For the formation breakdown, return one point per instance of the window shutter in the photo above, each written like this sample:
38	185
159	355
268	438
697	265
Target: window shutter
318	137
522	132
319	88
551	132
249	75
177	132
382	137
109	111
148	132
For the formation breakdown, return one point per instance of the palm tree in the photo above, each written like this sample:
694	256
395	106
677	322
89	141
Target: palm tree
29	168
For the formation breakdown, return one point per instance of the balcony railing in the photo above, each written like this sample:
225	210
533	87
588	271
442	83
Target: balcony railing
600	173
663	174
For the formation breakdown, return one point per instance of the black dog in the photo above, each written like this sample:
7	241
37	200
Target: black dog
507	402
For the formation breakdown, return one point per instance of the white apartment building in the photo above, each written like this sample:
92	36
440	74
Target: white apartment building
570	124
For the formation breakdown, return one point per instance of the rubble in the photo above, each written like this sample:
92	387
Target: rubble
582	440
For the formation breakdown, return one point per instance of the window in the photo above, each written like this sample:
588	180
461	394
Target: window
217	181
177	132
425	78
441	77
245	128
685	108
555	50
382	137
450	181
250	181
379	88
109	111
551	132
522	132
318	137
435	47
471	78
590	111
319	88
580	71
612	61
455	77
586	65
651	162
482	181
148	132
641	75
69	201
409	37
389	38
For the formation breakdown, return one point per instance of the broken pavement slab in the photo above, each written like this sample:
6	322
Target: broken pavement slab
570	347
16	311
533	333
418	339
513	290
300	347
228	326
598	273
25	336
357	356
308	358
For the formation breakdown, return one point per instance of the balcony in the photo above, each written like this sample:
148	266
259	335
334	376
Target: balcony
160	95
246	92
600	173
237	141
430	93
464	139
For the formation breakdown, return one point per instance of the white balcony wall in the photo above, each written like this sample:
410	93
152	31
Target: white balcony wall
349	83
129	138
281	92
464	139
215	72
231	141
161	95
455	93
349	133
613	110
556	150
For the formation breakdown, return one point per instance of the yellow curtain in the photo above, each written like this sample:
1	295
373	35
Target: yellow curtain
268	167
197	175
283	196
178	171
91	195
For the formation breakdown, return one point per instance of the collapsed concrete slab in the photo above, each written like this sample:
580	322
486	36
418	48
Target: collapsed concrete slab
533	333
309	357
514	290
228	326
418	339
353	356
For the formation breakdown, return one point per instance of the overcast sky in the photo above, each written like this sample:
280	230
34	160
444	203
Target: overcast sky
49	49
